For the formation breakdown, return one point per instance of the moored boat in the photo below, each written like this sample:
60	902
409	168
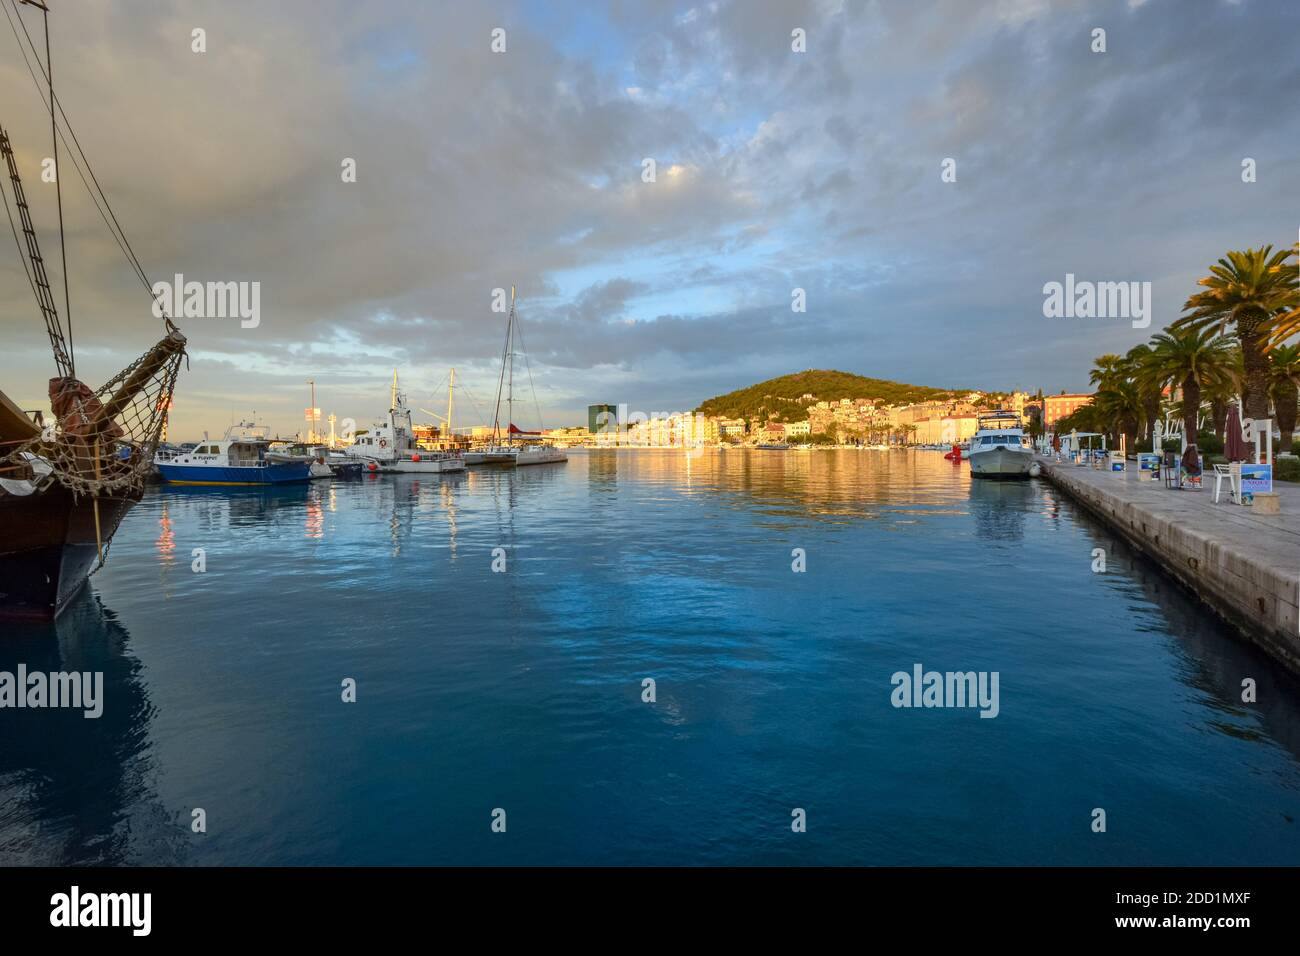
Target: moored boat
239	458
66	484
512	453
999	448
390	445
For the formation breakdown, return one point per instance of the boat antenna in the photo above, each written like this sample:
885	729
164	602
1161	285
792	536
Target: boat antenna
58	181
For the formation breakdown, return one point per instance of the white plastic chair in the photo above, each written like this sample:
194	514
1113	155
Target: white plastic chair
1233	475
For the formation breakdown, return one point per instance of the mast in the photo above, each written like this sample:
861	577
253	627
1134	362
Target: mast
58	183
510	387
501	377
451	390
44	297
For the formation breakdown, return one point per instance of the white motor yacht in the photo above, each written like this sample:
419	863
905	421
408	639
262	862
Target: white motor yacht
1000	448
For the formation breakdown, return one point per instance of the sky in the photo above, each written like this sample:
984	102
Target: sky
775	170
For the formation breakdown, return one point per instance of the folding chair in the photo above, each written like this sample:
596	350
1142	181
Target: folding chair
1170	467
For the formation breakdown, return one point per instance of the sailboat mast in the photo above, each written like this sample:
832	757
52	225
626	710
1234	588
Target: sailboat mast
510	351
58	182
44	296
451	391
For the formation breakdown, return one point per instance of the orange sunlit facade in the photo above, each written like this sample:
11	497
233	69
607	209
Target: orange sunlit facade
1058	406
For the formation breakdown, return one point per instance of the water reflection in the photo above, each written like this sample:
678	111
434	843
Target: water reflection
624	564
999	508
1216	666
75	790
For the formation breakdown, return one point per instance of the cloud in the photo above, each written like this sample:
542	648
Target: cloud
478	171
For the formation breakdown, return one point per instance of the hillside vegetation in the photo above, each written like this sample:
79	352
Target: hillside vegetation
777	397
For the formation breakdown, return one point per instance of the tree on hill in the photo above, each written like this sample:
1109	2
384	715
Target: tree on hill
766	399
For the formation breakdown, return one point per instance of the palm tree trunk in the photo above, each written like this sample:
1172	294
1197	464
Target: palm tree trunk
1191	407
1151	411
1219	409
1254	386
1284	397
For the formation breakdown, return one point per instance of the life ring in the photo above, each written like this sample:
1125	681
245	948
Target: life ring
383	443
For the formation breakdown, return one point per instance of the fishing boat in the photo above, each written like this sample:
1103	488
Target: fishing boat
999	448
241	457
390	445
510	452
67	483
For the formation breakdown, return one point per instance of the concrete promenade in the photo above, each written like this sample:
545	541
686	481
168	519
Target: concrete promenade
1243	564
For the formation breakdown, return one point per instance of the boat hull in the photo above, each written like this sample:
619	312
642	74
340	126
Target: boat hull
425	466
539	456
489	458
1000	462
347	469
49	546
275	474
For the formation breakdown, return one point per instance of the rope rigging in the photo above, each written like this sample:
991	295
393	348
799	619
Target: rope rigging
102	442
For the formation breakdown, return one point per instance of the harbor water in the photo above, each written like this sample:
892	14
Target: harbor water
500	627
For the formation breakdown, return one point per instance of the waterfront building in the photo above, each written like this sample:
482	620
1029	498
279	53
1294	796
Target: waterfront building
731	427
602	418
945	429
1058	406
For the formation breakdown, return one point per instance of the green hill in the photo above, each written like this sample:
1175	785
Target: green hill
777	397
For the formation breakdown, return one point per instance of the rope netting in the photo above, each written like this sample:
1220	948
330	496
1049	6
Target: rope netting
103	442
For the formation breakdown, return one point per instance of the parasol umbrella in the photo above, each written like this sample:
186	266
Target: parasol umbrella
1234	446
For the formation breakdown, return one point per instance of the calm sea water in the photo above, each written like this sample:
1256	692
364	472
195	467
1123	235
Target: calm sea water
522	690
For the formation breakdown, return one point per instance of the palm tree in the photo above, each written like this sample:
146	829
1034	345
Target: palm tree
1284	362
1105	369
1149	389
1193	360
1223	393
1286	321
1119	407
1250	290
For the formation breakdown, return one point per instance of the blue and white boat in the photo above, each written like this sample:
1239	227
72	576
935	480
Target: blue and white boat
240	458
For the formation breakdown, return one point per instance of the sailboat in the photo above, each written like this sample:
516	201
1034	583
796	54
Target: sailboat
66	484
510	453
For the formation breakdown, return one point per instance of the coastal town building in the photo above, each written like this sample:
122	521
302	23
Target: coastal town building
1056	407
602	418
944	429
